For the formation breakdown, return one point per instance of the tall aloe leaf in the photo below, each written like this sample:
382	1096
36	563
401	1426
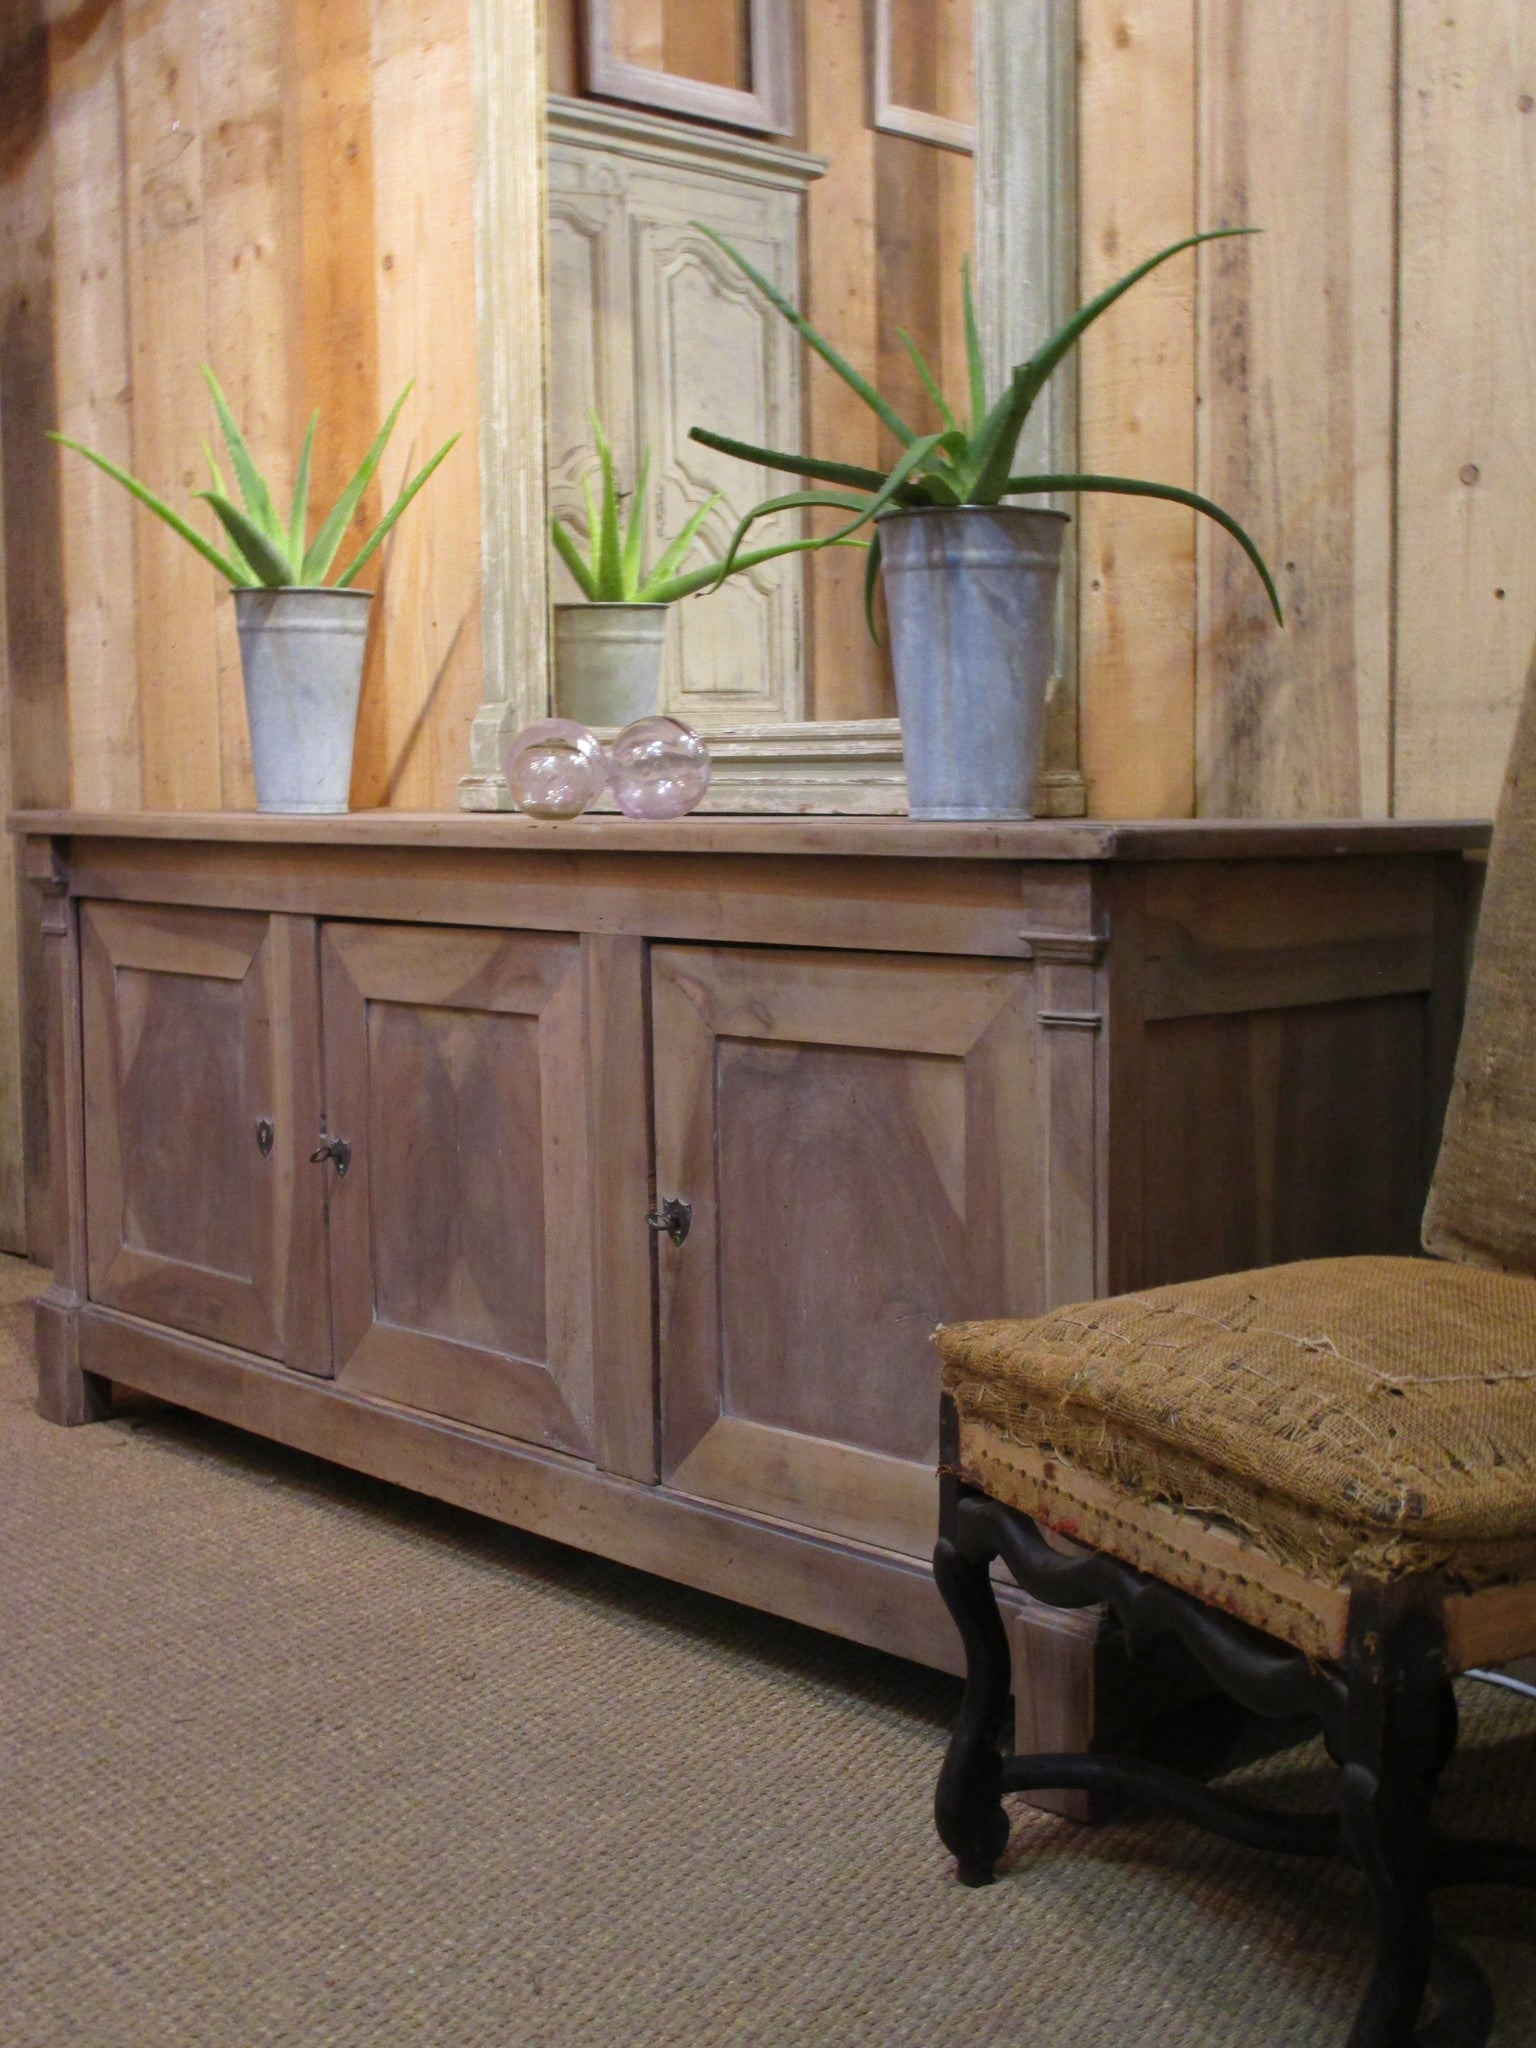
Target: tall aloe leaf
871	572
268	561
254	494
930	383
911	459
239	576
609	565
849	473
675	553
634	533
883	411
298	513
1133	487
570	554
791	501
365	552
1044	361
697	579
973	361
322	549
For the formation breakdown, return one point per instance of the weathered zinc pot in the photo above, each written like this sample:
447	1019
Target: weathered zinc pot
301	653
970	591
608	661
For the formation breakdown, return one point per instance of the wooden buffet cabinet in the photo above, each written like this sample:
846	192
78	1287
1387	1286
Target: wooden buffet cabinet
357	1124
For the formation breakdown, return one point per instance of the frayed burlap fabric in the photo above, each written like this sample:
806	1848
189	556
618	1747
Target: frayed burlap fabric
1482	1206
1348	1415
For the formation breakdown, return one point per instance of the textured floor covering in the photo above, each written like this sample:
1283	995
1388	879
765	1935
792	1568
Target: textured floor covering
288	1757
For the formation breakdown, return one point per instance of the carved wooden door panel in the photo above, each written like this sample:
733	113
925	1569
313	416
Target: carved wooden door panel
201	1065
457	1069
857	1136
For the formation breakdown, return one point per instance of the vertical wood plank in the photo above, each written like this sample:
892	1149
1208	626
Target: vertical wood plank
1296	339
1467	398
95	407
178	593
251	304
35	674
331	190
1136	116
623	1320
848	677
415	740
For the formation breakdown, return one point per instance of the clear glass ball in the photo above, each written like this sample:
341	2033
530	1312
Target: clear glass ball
555	768
658	768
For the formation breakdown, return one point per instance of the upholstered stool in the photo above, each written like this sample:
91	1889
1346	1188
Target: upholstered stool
1320	1478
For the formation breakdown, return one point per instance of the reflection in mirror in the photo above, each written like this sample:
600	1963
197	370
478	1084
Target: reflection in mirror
924	71
727	61
706	40
651	327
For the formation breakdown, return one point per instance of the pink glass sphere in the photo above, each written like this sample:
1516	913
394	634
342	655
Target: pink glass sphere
658	768
555	768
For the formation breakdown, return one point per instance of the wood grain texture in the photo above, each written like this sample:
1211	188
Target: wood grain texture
1137	128
1296	335
248	219
840	1126
461	1253
421	696
849	677
178	593
1467	397
188	1032
95	406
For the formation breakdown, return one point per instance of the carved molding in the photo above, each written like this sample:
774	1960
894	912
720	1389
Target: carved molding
1026	268
511	209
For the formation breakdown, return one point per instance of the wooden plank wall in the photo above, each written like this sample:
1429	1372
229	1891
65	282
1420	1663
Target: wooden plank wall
187	181
1358	386
215	195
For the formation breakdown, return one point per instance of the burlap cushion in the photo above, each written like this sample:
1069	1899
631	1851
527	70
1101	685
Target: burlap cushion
1482	1206
1366	1415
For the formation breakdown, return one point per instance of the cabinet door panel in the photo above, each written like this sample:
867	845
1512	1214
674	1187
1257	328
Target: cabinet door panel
198	1027
464	1283
858	1138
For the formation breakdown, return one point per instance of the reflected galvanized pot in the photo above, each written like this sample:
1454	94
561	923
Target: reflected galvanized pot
971	596
608	662
301	654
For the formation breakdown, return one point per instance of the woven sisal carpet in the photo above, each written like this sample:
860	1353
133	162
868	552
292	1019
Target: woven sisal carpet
289	1757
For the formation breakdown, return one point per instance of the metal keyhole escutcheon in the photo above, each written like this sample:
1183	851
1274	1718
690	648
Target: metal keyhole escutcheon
674	1217
337	1150
265	1133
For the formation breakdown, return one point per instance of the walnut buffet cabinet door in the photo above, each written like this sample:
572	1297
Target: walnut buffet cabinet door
857	1137
201	1061
456	1066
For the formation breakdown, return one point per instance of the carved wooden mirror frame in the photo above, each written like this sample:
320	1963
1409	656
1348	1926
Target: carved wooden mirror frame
766	107
1026	266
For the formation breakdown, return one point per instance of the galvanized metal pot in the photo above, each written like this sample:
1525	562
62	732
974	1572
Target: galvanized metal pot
971	595
608	661
301	654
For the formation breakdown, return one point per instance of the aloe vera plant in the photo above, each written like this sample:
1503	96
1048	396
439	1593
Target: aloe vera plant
266	550
613	571
960	464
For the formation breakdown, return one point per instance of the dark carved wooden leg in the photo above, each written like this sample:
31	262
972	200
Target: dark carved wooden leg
968	1805
1395	1744
66	1393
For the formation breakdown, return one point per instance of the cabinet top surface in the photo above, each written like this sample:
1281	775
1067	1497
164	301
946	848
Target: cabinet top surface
1045	839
